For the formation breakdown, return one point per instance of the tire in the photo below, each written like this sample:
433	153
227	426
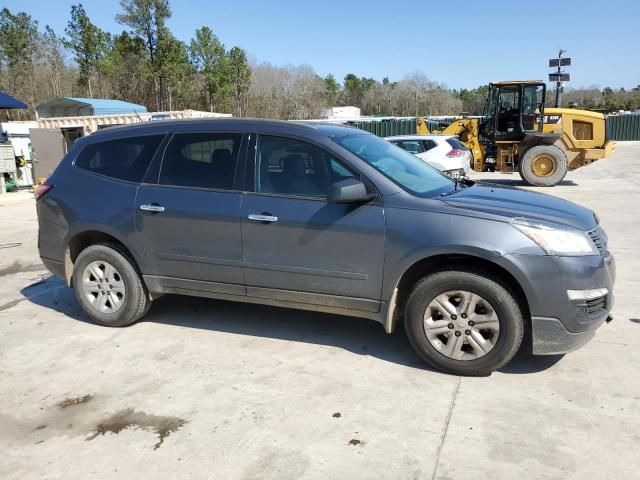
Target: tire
500	342
94	284
539	159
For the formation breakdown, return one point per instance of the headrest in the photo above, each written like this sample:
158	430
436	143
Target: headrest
221	155
294	166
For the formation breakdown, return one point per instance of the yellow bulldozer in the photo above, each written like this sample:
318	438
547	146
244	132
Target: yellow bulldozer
518	134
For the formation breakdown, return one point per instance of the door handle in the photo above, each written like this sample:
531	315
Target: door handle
152	208
263	218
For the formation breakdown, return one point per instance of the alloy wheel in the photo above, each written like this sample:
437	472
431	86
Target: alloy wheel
103	287
461	325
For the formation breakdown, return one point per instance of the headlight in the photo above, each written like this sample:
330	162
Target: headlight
557	241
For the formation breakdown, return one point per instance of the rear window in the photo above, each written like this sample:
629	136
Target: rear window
124	158
455	143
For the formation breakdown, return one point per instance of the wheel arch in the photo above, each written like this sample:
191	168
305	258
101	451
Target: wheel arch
423	266
83	238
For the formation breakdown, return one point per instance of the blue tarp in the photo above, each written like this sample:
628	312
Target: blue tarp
7	101
73	107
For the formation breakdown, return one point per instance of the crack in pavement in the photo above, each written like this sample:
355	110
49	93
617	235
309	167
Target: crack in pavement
13	303
446	428
613	343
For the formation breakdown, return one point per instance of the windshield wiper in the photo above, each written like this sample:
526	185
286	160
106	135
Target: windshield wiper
455	188
459	184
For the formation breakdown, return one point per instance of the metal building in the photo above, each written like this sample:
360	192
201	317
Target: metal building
77	107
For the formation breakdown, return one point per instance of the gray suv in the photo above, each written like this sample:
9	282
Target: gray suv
327	218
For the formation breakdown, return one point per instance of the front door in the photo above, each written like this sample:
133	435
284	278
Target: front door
189	222
298	246
508	126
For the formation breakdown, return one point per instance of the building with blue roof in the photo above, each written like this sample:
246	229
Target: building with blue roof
79	107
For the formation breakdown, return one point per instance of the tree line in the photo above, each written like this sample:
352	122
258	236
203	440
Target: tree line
146	64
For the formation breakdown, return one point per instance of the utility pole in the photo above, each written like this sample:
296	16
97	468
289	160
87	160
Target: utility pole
559	77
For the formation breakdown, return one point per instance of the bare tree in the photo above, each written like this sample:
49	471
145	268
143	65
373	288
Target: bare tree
51	56
290	92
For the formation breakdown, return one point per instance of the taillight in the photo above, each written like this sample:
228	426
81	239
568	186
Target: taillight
456	152
42	190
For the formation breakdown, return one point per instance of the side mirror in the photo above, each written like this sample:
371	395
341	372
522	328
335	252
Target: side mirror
349	190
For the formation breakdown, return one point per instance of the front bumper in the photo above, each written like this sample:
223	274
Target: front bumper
558	324
550	337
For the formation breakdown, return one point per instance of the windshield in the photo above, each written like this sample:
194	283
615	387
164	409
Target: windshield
403	168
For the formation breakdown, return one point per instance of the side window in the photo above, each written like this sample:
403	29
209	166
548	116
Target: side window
292	167
429	144
202	160
411	146
457	144
509	99
340	172
123	158
532	99
532	105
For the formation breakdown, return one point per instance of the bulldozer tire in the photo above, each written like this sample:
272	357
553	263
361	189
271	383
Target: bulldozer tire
543	166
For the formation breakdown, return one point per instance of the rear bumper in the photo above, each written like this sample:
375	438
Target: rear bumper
54	266
598	153
609	148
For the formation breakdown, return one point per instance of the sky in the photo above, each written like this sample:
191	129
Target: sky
462	44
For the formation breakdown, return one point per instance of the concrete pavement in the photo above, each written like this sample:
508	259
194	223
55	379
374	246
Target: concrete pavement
210	389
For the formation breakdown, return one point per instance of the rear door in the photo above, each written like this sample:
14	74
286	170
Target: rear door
299	247
411	146
188	221
429	149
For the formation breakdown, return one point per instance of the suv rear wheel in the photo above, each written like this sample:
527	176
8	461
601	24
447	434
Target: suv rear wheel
463	322
108	286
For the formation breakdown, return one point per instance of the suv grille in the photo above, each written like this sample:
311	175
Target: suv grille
599	238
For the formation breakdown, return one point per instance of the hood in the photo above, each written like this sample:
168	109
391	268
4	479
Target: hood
509	202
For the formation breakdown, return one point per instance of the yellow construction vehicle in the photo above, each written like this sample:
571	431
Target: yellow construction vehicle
517	133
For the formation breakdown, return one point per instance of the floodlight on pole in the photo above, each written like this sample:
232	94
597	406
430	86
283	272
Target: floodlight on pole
559	76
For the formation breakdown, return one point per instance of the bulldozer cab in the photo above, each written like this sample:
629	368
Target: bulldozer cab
513	110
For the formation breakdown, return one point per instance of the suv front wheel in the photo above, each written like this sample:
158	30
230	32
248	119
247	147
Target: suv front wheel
108	286
463	322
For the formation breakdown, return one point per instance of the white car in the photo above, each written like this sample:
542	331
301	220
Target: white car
444	152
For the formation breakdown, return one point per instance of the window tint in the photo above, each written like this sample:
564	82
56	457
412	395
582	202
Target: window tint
124	158
455	143
203	160
292	167
412	146
429	144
